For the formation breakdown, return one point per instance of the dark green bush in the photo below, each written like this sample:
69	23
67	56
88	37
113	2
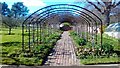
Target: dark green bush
107	48
73	33
80	41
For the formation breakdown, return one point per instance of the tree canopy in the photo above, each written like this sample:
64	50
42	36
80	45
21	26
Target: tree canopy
5	9
18	9
13	17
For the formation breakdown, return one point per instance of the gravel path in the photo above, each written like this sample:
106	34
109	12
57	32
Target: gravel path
63	54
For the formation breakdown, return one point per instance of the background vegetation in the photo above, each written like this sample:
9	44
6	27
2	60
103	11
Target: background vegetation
97	54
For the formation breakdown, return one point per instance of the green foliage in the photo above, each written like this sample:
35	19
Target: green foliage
110	40
19	9
100	60
77	39
66	24
12	50
14	17
8	61
73	33
107	48
5	9
14	38
89	54
9	23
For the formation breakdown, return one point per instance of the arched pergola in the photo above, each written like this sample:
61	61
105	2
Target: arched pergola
83	20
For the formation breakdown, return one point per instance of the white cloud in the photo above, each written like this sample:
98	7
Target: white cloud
33	2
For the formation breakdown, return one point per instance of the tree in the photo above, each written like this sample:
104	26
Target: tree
19	10
13	18
116	10
5	10
9	22
105	7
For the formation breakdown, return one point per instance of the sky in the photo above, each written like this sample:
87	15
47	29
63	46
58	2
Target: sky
34	5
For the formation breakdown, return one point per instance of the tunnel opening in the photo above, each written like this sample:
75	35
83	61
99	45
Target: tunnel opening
67	21
65	26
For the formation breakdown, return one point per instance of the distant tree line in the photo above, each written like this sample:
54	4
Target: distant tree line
14	16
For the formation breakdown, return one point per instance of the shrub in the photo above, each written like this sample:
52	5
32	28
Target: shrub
73	33
107	48
80	41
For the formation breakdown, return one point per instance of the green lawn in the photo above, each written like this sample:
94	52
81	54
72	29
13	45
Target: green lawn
16	35
115	42
100	60
12	47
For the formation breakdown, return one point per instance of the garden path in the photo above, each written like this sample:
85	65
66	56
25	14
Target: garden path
63	53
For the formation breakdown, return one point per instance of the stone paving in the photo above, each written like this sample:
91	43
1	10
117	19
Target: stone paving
63	54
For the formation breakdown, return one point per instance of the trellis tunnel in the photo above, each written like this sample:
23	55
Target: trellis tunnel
50	18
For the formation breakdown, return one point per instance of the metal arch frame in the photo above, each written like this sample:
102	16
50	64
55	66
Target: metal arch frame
59	8
84	13
71	10
45	14
64	5
60	5
77	12
50	17
29	36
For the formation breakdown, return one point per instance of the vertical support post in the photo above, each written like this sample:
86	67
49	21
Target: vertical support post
81	30
89	28
29	38
92	36
33	33
96	34
40	32
84	31
87	32
101	34
37	33
22	37
48	29
78	31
